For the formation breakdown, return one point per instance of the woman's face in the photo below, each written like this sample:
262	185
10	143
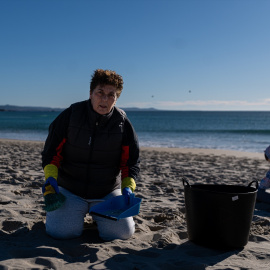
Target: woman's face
103	98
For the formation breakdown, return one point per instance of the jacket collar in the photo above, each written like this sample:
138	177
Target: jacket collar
99	119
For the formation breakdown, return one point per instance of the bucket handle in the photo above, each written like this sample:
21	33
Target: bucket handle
255	181
185	182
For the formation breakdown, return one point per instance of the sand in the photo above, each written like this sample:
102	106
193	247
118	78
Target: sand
161	239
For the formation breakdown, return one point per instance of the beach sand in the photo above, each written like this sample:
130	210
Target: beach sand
161	239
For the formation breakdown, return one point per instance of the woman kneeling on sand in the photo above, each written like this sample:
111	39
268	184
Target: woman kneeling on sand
88	145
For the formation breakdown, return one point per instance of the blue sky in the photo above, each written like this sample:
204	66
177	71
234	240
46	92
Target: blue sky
172	54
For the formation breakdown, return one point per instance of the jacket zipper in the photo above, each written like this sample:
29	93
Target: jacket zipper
91	144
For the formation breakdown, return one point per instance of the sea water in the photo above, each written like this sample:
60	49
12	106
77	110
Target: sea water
243	131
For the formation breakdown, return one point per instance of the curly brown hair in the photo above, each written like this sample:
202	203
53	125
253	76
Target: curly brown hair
107	77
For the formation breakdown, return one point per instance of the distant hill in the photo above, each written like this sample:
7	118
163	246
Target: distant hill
27	108
139	109
48	109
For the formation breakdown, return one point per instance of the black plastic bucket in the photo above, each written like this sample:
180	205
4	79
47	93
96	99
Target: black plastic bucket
219	215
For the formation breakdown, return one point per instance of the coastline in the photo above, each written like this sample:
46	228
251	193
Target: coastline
160	240
195	151
206	151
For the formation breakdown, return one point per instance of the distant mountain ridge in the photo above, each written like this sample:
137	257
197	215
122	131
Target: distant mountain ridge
27	108
49	109
139	109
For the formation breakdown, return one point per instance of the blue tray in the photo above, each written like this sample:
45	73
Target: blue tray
116	208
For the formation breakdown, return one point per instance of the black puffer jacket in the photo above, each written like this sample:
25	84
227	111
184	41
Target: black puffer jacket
88	150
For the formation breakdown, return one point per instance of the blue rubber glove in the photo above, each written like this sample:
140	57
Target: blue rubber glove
126	192
53	199
50	182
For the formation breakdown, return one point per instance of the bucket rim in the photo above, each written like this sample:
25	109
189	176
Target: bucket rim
249	188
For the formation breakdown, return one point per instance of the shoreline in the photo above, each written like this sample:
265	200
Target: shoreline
193	151
206	151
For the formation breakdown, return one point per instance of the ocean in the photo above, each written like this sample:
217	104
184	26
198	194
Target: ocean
242	131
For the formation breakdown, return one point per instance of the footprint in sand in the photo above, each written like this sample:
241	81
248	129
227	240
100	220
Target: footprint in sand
5	200
10	225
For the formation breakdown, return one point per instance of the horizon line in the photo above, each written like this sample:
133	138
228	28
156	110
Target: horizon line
2	107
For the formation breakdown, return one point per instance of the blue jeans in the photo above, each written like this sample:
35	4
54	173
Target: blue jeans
67	221
263	195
